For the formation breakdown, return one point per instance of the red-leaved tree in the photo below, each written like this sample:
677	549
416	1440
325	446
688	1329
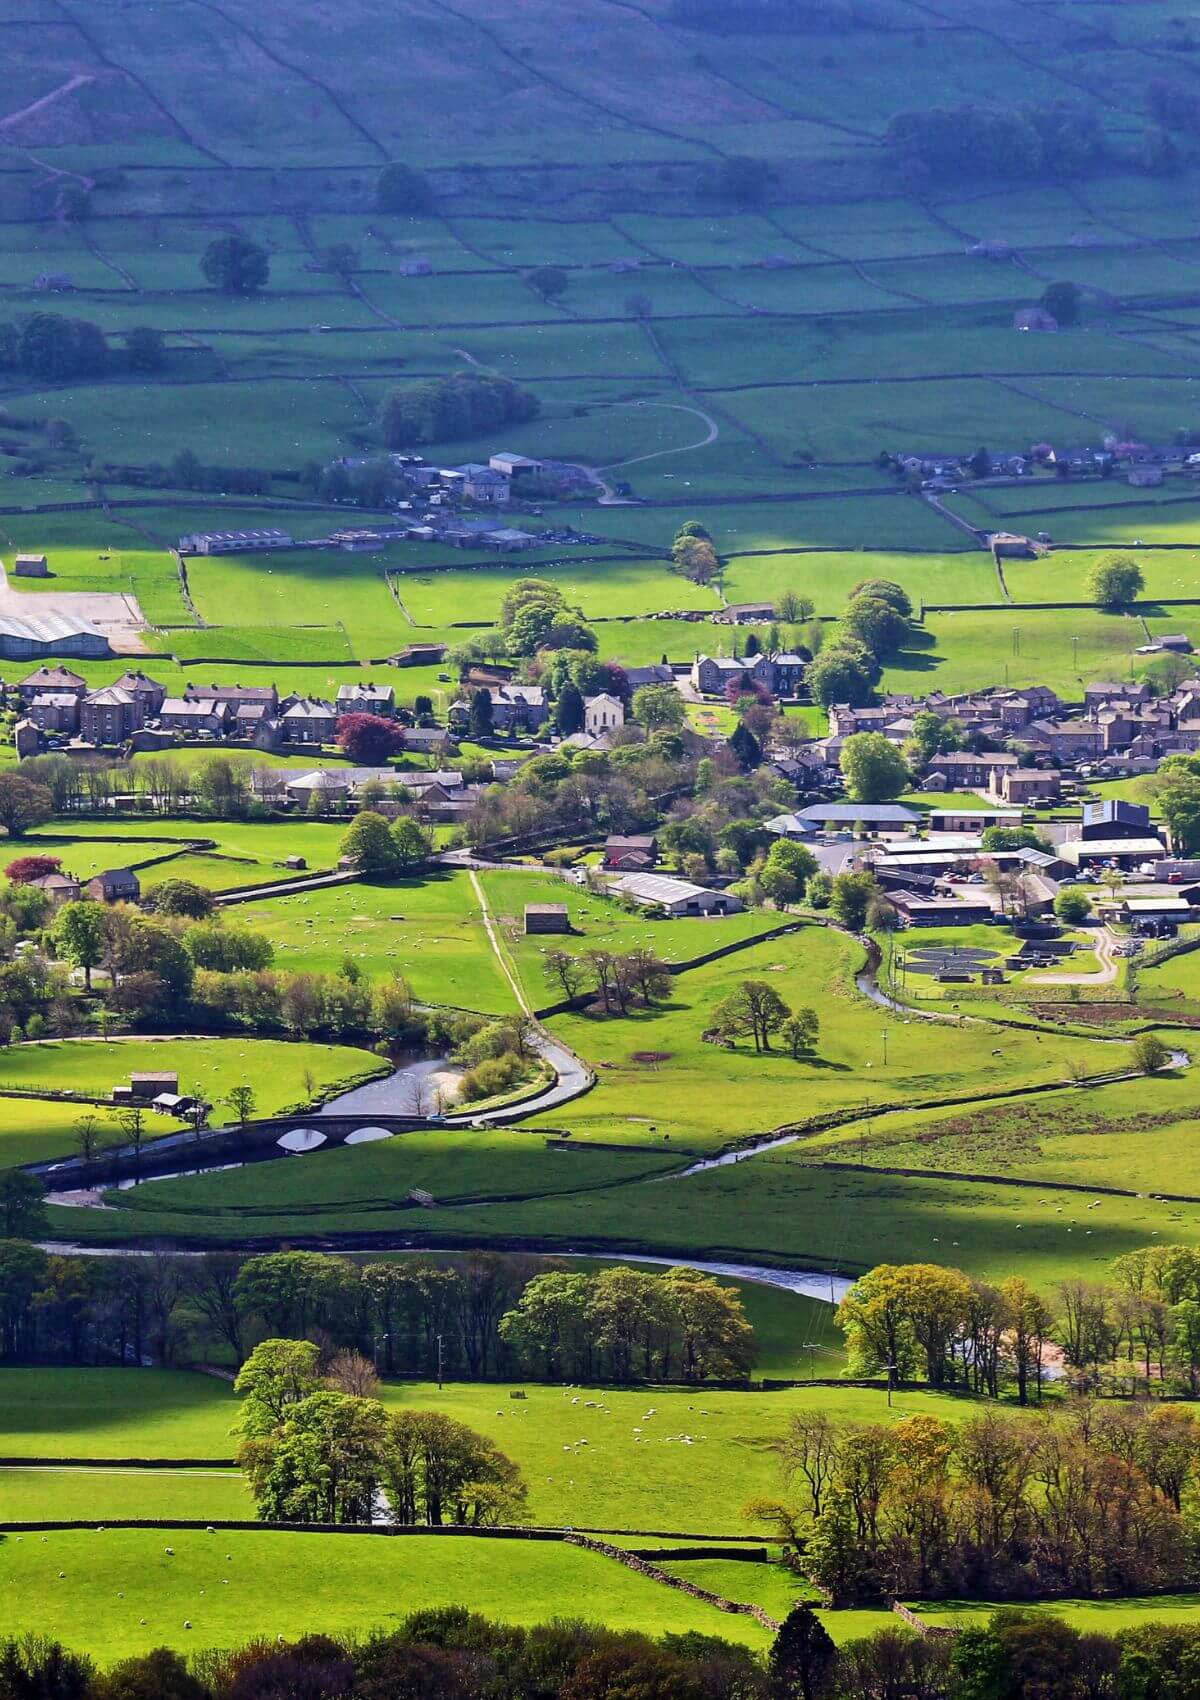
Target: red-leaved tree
369	739
28	868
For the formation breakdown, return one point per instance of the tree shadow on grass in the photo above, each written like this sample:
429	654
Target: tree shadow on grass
921	655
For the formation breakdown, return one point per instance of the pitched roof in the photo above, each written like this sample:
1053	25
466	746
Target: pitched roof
871	814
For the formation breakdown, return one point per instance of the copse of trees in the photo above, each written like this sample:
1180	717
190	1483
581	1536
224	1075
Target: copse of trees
1174	104
534	617
694	553
1062	301
400	188
1178	778
1009	1504
876	622
465	404
383	847
626	1325
1137	1333
186	471
739	178
54	347
236	265
975	139
319	1448
754	1010
613	983
550	282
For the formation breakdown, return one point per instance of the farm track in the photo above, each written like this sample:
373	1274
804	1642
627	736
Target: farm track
79	81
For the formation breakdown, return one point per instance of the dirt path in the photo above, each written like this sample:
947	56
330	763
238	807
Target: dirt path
494	940
713	432
79	81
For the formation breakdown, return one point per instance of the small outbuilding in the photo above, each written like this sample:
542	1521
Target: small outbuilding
546	918
31	566
152	1084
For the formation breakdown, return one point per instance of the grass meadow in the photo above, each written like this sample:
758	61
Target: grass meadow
661	1459
428	930
124	1591
210	1068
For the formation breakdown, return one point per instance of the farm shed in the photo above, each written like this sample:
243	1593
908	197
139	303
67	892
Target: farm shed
676	897
546	918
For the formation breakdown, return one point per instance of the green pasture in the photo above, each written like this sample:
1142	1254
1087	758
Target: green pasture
59	1493
1177	977
430	931
600	923
116	1414
841	423
779	1208
255	849
124	1591
374	1181
209	1068
667	1459
1089	1617
320	588
657	1076
1063	648
772	1586
1064	576
604	590
279	423
828	578
257	644
1130	1134
33	1130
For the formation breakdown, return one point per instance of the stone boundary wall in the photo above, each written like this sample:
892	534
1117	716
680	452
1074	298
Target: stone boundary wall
655	1573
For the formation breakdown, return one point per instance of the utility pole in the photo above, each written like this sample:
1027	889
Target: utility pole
891	1369
441	1361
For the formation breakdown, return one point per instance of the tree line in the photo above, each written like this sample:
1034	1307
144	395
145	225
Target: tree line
55	347
484	1314
978	139
452	1653
1093	1502
1135	1334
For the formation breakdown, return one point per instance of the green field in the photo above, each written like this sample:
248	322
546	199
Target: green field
206	1067
124	1591
430	931
599	923
591	1457
59	1493
753	356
